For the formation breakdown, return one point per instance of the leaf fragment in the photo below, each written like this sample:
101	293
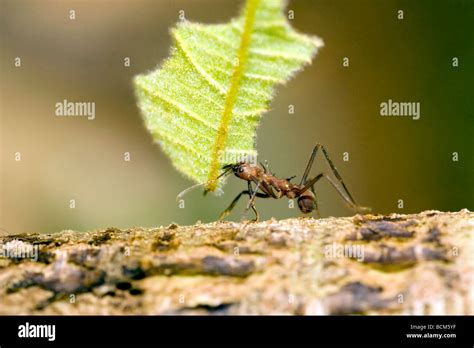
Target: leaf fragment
204	103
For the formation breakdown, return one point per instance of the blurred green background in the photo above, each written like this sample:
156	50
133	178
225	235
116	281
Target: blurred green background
82	60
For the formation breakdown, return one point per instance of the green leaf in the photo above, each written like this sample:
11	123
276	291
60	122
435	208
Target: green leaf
204	104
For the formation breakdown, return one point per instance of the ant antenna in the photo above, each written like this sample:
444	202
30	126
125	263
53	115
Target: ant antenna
184	192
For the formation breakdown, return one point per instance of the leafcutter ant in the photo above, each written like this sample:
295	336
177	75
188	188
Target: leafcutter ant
267	185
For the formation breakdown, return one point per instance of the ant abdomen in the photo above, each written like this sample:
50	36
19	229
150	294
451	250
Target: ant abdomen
307	204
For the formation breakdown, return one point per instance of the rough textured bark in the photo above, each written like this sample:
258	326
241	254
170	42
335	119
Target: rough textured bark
420	263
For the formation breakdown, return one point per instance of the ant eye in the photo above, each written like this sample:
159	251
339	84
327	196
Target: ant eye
241	170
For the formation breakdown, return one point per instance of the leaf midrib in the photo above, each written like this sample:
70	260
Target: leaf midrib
231	96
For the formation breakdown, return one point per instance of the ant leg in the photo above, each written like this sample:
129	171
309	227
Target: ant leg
236	199
331	165
345	196
252	194
232	204
257	216
310	164
267	189
251	202
336	173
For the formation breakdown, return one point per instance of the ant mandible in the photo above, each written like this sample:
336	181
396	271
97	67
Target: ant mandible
269	186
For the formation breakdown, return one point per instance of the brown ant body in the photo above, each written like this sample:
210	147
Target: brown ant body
267	185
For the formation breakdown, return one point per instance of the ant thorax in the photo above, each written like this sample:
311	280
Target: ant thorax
282	186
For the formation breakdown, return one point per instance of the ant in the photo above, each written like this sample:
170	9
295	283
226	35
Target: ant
267	185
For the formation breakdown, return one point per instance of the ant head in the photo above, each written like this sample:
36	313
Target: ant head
306	203
242	170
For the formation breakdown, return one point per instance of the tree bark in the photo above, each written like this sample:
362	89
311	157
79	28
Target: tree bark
396	264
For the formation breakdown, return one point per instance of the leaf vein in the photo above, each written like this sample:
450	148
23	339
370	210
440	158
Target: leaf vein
231	97
182	108
199	69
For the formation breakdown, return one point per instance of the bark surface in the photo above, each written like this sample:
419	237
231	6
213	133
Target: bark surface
396	264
